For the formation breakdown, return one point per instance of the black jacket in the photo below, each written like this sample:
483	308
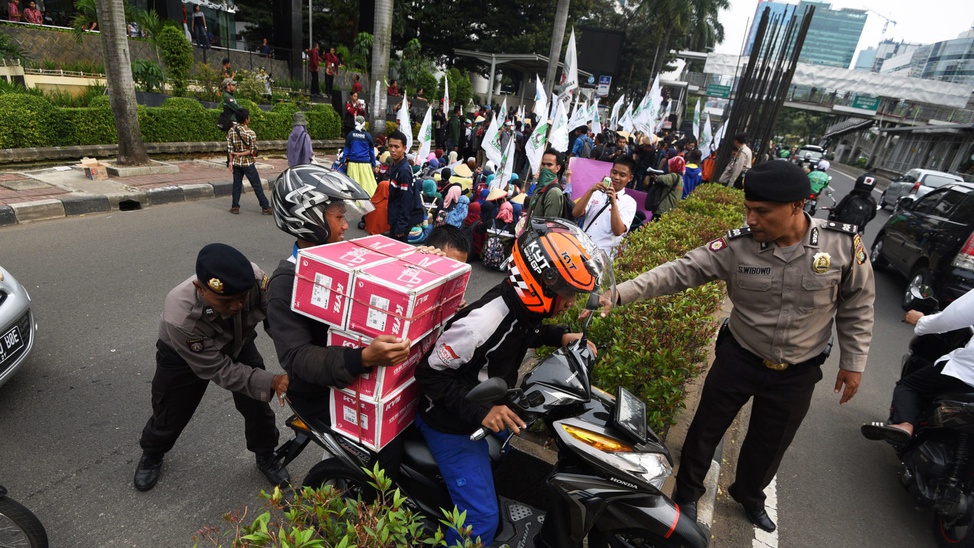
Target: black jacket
311	366
487	339
405	199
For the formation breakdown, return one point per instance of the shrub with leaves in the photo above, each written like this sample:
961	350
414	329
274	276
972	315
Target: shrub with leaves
147	75
654	346
326	517
177	56
27	120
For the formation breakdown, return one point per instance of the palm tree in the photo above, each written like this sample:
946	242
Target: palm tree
557	36
381	47
121	88
707	29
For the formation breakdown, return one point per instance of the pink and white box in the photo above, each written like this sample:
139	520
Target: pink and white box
379	382
456	273
324	276
385	245
400	299
374	423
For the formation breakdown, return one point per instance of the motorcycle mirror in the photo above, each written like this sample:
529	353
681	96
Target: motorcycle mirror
488	391
593	301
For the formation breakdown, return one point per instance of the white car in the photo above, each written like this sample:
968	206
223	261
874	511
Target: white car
916	182
17	328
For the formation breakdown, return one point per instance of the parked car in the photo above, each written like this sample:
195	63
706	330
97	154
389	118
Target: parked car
916	182
17	326
930	240
808	156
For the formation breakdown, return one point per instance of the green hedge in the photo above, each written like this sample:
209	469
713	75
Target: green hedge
654	346
28	120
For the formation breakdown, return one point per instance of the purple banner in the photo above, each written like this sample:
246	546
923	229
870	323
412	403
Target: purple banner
586	172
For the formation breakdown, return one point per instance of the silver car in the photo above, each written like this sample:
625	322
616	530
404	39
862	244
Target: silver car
17	327
916	182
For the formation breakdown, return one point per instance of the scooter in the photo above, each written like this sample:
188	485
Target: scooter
606	485
18	525
938	462
811	203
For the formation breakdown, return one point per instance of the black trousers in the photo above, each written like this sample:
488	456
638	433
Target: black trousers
177	392
329	84
315	90
917	389
781	400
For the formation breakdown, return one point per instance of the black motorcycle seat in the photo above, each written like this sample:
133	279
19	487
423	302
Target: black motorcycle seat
964	397
419	456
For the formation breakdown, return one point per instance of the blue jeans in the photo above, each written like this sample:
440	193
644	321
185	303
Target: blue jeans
251	173
465	466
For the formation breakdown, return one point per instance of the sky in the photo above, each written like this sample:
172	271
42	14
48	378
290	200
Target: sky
923	23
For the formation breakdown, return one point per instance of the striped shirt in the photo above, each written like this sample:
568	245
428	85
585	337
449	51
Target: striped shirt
241	138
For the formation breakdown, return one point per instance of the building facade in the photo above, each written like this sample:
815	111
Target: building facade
832	35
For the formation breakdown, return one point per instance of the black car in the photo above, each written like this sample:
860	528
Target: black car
930	241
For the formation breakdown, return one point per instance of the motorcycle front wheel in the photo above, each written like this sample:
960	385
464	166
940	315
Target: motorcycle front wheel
959	534
337	474
627	539
19	526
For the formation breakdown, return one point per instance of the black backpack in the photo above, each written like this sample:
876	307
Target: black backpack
654	197
225	122
857	210
567	204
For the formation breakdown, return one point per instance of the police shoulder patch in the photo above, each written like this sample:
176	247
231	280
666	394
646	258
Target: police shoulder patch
263	282
842	227
717	245
738	232
195	345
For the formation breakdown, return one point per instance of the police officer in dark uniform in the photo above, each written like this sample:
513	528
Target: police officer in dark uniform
207	334
790	277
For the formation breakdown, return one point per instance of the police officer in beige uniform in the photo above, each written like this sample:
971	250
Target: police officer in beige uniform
790	277
207	334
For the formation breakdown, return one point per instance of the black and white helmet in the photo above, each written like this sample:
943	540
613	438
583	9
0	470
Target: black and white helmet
301	194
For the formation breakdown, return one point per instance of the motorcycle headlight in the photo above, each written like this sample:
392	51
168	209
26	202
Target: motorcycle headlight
648	469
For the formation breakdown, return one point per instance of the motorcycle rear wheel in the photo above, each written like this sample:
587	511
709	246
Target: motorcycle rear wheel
337	474
19	526
627	539
959	534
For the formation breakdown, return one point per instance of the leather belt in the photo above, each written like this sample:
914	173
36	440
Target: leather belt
768	363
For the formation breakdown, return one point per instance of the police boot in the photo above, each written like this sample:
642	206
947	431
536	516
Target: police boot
147	472
273	470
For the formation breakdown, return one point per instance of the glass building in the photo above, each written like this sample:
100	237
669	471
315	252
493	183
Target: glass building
832	35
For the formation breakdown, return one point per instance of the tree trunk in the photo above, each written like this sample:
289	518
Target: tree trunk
121	88
557	37
381	47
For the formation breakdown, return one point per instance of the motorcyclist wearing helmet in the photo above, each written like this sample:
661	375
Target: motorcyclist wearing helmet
552	263
858	207
309	203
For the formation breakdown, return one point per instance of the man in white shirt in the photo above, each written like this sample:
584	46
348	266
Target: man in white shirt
953	372
608	209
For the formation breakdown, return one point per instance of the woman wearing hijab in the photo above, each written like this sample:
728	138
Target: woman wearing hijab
452	196
358	156
299	142
459	213
505	217
377	222
452	157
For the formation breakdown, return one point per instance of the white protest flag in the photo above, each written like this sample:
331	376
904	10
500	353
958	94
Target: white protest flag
696	118
614	117
558	139
718	137
404	125
663	118
506	168
706	138
569	78
446	95
425	136
540	101
626	122
656	99
492	135
643	118
596	121
538	140
579	117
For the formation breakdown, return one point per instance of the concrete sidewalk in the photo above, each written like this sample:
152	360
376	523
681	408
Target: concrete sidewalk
49	193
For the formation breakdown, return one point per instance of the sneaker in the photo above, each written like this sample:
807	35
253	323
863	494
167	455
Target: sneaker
235	210
147	472
273	470
267	211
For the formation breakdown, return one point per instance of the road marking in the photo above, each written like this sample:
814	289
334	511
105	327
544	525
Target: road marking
762	538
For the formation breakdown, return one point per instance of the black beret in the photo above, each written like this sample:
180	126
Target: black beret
776	181
224	270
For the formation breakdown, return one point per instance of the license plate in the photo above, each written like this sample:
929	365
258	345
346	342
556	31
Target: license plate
10	342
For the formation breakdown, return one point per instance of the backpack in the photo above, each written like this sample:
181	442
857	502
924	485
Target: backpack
654	197
586	149
567	204
492	255
225	121
856	211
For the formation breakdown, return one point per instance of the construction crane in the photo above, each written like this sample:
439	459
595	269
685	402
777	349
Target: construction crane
887	19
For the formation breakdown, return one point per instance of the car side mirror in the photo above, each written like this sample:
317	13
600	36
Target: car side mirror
905	202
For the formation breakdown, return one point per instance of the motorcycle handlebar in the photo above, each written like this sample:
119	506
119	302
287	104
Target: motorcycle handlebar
480	433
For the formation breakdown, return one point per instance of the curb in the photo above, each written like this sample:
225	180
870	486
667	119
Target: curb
71	205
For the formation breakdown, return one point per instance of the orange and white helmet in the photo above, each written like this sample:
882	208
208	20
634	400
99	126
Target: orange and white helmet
554	258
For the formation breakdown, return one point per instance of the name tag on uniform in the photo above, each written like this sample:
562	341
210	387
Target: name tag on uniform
745	270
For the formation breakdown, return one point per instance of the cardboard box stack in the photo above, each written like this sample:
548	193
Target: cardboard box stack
378	286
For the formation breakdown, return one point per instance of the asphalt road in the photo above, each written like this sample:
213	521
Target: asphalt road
70	420
834	487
